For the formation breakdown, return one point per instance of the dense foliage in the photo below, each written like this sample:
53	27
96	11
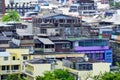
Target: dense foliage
15	77
11	16
115	4
57	74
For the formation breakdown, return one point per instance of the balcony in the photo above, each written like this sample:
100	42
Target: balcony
15	71
28	72
49	50
27	41
9	71
15	62
5	72
12	62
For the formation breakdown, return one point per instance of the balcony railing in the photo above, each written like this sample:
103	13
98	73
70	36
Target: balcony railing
29	72
9	71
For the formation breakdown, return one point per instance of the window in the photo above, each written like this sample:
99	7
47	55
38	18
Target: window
3	67
89	55
85	66
99	56
43	31
24	57
8	67
4	77
5	58
15	67
67	45
63	46
67	31
13	57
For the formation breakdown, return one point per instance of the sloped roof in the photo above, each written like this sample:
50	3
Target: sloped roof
4	38
58	16
7	33
45	41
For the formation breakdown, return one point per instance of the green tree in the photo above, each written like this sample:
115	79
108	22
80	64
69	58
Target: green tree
57	74
11	16
15	77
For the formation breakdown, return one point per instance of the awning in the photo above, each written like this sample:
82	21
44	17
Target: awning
45	41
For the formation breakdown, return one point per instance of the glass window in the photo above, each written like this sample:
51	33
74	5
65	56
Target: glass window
67	45
67	31
63	46
81	43
43	31
15	67
8	67
85	66
13	57
24	57
4	77
3	67
99	56
5	58
89	55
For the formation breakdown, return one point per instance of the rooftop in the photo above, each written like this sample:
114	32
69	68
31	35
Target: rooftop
82	60
85	38
4	38
8	33
45	41
4	54
41	61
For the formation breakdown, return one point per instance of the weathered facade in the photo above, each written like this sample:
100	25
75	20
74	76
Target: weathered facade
57	25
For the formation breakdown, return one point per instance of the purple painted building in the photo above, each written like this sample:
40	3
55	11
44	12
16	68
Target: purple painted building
97	49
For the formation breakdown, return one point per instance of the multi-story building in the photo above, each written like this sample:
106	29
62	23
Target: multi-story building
87	7
4	43
61	45
2	6
22	6
36	67
44	45
57	25
96	49
85	68
12	62
24	40
6	27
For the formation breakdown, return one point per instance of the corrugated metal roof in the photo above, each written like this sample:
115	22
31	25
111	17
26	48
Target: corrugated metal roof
45	41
